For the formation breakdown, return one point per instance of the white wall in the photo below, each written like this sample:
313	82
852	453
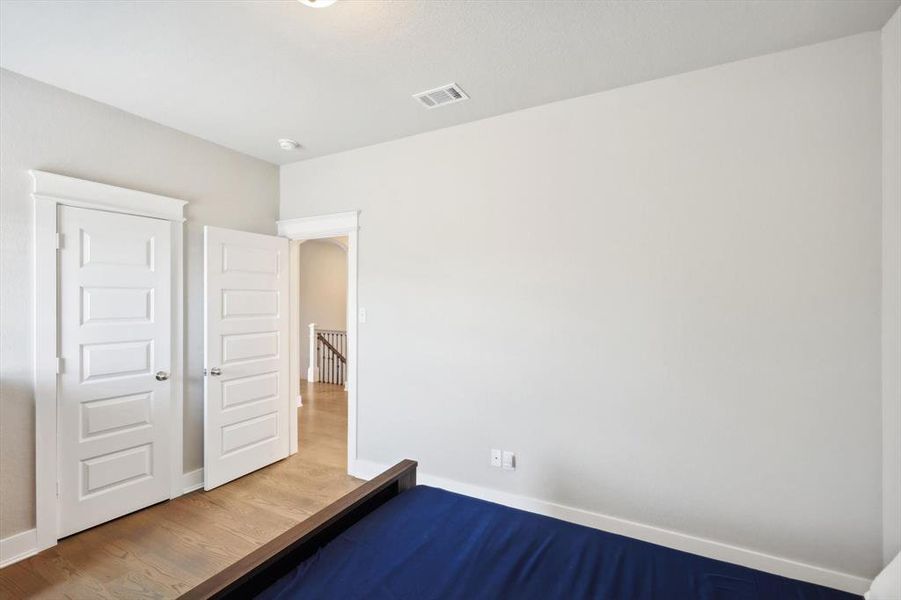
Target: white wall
891	286
323	291
43	127
664	297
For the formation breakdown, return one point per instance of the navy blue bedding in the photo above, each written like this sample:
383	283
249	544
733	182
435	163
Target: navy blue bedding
430	543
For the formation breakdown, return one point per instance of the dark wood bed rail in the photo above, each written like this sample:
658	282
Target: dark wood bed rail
262	567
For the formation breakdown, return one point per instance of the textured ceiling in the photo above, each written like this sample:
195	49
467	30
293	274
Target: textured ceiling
244	74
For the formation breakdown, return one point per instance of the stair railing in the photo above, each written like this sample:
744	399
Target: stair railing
328	351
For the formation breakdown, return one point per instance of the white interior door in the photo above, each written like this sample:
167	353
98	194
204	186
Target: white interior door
115	339
246	391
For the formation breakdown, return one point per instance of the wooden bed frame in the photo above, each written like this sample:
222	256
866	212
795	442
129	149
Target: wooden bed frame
262	567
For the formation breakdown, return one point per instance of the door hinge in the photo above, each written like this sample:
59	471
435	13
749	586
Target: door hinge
60	241
59	365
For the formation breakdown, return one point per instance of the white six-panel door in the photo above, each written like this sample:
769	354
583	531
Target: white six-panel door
114	392
246	391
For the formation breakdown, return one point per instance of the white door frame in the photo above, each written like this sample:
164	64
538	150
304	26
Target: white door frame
51	191
313	228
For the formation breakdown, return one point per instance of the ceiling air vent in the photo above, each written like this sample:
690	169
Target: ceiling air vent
446	94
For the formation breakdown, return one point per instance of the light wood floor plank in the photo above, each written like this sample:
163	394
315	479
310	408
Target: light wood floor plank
166	549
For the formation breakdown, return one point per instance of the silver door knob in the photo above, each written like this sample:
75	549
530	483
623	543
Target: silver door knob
216	371
162	376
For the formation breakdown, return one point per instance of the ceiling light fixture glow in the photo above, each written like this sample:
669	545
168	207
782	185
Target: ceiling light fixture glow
288	144
317	3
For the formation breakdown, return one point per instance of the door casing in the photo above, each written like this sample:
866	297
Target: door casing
313	228
48	193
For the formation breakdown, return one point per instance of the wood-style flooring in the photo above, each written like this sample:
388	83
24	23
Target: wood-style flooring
164	550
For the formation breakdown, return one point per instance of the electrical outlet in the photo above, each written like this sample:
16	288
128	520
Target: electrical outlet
495	457
509	461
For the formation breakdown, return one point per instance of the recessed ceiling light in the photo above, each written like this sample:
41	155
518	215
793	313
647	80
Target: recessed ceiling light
288	144
317	3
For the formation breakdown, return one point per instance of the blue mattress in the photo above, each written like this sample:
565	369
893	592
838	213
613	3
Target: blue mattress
430	543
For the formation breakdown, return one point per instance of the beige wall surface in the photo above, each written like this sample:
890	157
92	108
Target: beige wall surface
891	286
665	298
46	128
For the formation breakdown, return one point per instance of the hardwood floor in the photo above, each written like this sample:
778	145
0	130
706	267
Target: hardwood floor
164	550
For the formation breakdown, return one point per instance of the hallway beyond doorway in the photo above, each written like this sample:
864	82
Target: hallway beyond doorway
322	436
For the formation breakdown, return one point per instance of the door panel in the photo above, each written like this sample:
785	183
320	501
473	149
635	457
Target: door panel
114	415
246	406
117	469
116	360
115	334
112	304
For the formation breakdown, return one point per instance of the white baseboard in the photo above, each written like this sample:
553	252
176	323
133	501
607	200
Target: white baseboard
22	545
656	535
192	480
17	547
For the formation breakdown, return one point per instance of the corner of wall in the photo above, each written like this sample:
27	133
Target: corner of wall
891	287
